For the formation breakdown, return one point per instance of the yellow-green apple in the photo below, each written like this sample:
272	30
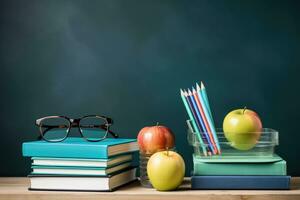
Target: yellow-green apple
242	128
155	138
165	170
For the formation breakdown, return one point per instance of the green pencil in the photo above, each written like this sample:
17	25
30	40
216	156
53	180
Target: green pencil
204	95
193	121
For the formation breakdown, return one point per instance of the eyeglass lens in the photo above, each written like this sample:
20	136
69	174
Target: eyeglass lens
54	128
93	128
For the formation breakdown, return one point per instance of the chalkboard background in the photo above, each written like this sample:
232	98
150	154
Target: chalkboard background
128	59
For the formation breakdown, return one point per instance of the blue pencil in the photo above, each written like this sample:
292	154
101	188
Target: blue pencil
200	121
189	101
194	126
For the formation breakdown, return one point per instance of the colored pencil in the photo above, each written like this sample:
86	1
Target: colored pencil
209	120
194	126
205	98
200	121
185	93
204	119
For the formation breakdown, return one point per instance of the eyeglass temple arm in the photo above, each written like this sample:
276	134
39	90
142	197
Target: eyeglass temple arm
113	134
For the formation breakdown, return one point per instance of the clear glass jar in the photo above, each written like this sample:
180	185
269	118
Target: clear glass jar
144	179
264	147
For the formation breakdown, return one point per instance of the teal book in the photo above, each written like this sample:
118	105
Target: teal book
269	166
80	148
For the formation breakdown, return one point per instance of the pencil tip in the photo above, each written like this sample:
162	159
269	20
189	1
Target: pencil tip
202	85
197	87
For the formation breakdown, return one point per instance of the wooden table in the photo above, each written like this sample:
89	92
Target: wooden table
16	188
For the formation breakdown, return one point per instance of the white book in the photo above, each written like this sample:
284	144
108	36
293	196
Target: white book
76	162
91	171
82	183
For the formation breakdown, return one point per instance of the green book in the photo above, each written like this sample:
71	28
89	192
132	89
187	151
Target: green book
268	166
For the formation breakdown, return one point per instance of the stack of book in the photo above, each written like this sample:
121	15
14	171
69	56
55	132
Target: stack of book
252	173
76	164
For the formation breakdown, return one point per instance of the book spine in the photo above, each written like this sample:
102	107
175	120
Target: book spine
276	168
241	182
60	150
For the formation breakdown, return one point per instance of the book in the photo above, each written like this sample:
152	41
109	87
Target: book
80	148
239	167
241	182
77	162
78	170
82	183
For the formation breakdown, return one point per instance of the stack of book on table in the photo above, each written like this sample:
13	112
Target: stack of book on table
76	164
252	173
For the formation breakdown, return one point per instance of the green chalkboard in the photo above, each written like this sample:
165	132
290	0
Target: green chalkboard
128	60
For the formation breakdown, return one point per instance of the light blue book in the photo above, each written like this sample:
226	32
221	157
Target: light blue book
80	148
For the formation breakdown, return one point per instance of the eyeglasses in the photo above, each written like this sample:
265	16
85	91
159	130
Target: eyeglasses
93	128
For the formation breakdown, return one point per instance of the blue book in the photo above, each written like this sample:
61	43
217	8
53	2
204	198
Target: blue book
241	182
80	148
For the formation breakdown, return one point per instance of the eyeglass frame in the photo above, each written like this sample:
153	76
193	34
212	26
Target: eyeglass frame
76	123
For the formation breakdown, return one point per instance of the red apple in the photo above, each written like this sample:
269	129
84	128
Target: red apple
154	138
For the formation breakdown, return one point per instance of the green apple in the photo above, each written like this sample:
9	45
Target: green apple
242	128
165	170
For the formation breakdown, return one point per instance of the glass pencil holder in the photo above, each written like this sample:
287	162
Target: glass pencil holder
144	179
243	145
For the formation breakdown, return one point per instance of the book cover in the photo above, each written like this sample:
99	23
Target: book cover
81	162
82	183
237	168
79	148
241	182
70	170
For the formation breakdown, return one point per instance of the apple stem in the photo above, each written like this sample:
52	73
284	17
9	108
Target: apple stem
244	109
157	123
167	151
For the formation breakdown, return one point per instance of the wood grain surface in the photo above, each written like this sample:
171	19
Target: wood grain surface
17	188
